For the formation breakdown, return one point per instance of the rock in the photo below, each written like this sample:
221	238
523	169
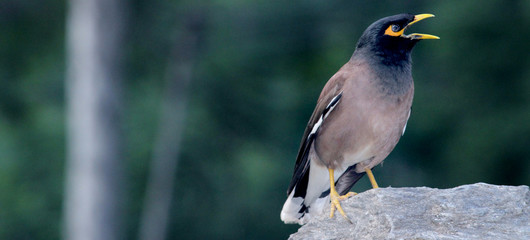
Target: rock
477	211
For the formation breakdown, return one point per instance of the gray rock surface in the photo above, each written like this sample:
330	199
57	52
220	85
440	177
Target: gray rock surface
477	211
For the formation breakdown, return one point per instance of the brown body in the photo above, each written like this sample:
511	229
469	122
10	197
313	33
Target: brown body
379	118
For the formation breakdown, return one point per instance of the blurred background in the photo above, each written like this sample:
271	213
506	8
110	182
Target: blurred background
209	100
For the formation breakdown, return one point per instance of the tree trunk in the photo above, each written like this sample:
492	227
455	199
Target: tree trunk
159	190
94	170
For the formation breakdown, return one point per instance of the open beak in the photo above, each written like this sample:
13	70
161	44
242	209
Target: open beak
418	18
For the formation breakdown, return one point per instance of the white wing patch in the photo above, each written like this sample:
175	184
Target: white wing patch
316	127
405	127
332	104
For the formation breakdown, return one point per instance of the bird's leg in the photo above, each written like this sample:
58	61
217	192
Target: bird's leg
371	177
335	198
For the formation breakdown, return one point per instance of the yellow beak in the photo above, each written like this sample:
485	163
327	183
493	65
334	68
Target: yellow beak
418	18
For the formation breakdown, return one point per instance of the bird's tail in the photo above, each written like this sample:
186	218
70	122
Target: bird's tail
309	195
293	209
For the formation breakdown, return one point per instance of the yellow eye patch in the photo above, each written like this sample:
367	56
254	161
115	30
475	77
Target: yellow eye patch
391	32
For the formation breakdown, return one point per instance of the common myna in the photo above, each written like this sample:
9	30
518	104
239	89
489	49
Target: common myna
359	117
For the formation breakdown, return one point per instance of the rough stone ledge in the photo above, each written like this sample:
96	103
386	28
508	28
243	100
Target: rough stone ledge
477	211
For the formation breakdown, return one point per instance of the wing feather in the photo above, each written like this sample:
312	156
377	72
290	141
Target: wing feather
328	100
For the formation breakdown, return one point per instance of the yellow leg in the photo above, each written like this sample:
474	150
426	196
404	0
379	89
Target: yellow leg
335	198
371	177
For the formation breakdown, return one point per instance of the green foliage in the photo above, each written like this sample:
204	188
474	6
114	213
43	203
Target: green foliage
261	67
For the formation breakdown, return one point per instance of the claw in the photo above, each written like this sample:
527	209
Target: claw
335	198
347	195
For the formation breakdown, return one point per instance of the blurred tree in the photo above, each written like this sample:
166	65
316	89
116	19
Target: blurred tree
255	81
161	178
94	169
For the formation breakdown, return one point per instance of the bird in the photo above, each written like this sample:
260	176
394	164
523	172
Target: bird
360	115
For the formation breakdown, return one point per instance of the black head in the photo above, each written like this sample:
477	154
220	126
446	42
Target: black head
385	38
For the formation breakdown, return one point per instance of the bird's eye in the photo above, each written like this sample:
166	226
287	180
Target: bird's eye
395	28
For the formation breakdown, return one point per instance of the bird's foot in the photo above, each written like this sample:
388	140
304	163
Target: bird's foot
347	195
335	199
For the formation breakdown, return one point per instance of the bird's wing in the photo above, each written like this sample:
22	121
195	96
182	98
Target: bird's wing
328	100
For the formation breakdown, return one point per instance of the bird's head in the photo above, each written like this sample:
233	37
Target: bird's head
386	37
